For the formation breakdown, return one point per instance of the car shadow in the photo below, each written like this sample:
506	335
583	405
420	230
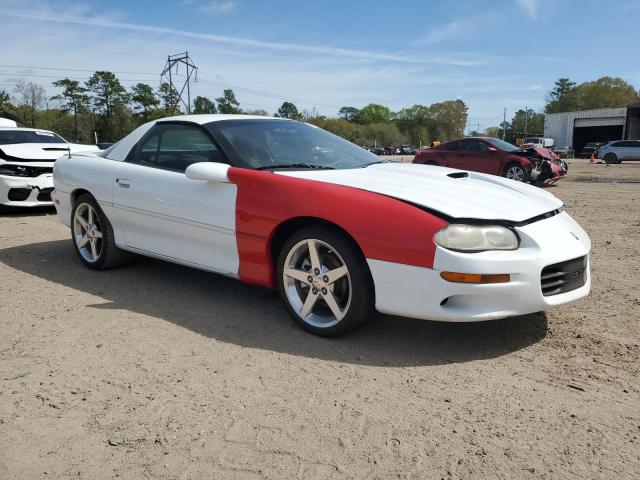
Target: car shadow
249	316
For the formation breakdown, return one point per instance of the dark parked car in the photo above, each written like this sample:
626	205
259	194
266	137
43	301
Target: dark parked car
589	148
564	152
494	156
407	150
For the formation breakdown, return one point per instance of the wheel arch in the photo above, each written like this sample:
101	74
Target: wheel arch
285	229
521	161
77	192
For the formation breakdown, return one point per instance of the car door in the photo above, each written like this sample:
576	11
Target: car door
164	213
631	149
620	150
450	153
475	155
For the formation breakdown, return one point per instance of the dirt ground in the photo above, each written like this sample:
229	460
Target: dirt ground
159	371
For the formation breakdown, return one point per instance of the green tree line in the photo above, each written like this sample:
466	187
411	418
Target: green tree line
104	106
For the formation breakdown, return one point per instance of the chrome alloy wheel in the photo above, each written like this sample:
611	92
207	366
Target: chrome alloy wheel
87	232
317	283
516	172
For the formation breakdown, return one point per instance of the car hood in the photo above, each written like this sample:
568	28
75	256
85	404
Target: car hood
43	151
454	193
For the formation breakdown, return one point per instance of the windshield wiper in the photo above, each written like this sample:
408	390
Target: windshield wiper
375	163
294	165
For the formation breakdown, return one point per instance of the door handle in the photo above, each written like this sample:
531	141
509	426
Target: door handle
123	182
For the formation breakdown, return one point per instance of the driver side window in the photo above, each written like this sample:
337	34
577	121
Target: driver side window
174	147
474	146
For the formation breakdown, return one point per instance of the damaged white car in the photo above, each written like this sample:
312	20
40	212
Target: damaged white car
26	164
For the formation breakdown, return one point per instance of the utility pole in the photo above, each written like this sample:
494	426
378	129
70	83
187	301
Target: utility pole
173	61
504	124
526	119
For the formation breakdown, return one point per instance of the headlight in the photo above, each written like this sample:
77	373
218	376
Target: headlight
475	238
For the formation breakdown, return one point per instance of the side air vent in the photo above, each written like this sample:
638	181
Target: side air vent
458	175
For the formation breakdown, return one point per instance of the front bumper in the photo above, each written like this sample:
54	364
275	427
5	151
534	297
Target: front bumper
419	292
26	191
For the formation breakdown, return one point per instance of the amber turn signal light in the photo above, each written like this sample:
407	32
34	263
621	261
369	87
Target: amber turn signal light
475	277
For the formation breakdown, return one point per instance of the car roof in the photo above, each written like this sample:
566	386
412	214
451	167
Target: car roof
24	129
214	117
468	138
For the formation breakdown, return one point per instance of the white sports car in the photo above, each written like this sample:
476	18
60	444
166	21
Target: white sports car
338	232
26	164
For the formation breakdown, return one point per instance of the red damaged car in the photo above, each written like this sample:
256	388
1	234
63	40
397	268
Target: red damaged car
497	157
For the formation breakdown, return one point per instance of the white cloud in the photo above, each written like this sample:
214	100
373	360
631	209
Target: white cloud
530	8
215	7
240	42
441	34
536	87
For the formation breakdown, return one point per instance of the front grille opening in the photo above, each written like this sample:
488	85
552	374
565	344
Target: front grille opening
19	194
45	195
564	277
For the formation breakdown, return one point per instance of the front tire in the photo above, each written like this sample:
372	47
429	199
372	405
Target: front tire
324	281
92	236
515	171
610	158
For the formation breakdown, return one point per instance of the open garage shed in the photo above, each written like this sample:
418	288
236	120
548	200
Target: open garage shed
576	129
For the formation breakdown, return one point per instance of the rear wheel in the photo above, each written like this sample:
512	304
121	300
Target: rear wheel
515	171
610	158
324	281
92	236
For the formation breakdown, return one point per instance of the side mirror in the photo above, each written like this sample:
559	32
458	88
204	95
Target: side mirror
208	171
492	149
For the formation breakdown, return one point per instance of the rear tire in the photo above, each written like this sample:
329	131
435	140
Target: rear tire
610	158
515	171
92	236
324	281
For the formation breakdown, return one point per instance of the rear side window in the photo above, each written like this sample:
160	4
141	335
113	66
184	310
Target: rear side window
474	146
12	137
174	147
451	146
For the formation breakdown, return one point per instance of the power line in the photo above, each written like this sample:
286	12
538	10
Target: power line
70	78
73	69
249	91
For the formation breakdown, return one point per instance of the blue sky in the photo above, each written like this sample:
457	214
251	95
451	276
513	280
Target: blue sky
324	54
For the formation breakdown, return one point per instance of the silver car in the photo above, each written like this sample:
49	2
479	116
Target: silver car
616	152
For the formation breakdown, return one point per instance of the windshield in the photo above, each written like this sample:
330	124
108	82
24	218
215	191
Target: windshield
264	144
10	137
533	140
502	145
